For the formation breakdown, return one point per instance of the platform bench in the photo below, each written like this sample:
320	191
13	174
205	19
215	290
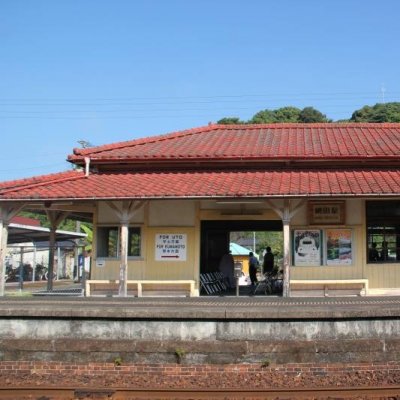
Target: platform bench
328	287
140	288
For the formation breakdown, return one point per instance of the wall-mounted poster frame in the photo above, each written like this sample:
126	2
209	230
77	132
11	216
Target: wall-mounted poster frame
307	247
326	212
339	246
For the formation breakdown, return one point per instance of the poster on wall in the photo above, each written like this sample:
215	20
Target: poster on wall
338	247
171	246
307	248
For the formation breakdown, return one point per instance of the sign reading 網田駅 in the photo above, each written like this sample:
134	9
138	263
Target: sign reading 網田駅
171	247
326	212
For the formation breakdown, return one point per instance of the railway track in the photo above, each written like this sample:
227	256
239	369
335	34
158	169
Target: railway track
51	393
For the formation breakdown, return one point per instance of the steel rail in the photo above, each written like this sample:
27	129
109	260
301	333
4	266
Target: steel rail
69	393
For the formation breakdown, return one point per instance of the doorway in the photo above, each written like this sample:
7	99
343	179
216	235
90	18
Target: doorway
216	238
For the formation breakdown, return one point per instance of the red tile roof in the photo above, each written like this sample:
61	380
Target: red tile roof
211	184
35	180
257	142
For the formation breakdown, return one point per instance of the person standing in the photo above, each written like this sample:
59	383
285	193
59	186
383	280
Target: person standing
373	254
226	267
253	263
268	264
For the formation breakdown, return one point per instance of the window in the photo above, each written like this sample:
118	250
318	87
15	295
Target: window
134	242
108	242
383	231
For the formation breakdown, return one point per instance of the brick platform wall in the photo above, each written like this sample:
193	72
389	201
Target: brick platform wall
32	373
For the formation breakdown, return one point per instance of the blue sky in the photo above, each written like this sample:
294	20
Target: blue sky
111	70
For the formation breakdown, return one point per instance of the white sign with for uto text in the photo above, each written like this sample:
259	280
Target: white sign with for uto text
171	246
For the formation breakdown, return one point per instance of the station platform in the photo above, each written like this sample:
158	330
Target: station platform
201	308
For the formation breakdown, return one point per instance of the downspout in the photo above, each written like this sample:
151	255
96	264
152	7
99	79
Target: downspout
87	165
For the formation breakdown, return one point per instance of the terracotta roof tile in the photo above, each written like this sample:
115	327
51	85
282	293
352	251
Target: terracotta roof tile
269	141
37	180
206	184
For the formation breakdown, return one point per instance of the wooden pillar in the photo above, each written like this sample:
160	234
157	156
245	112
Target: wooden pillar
125	213
286	258
55	218
123	278
286	213
3	250
34	263
50	269
6	213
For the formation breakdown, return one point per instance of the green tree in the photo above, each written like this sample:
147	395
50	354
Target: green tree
380	112
88	229
66	225
310	114
230	121
283	114
263	117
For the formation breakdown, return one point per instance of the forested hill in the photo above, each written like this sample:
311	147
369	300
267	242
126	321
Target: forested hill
380	112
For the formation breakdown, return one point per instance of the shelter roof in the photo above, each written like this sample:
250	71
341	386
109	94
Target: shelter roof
238	250
238	183
19	233
256	142
231	161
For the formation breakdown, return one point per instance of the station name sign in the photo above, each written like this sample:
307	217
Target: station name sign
171	246
326	212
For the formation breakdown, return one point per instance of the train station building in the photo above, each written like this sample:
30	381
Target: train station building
162	207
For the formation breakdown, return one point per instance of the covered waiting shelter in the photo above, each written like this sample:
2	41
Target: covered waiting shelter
297	173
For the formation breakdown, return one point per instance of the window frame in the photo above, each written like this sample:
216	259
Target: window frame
380	223
131	227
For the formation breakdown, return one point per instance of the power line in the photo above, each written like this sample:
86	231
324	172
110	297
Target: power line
191	97
137	110
32	168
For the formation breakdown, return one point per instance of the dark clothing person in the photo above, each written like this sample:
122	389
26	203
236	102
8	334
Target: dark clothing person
384	251
253	263
373	254
226	267
268	264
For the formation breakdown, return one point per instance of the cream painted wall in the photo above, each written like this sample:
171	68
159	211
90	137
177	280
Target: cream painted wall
172	213
218	215
106	215
380	275
185	216
354	221
353	271
170	269
156	217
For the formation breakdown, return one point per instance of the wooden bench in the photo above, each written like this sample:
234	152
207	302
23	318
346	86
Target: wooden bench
327	287
138	287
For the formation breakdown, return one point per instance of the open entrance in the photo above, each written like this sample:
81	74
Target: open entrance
218	238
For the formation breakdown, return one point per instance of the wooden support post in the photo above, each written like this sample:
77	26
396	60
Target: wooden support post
50	269
6	213
125	213
3	249
55	219
123	279
286	258
21	269
286	213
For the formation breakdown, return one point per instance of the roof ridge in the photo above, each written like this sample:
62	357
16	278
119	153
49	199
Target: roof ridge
39	178
140	141
79	152
311	124
34	183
